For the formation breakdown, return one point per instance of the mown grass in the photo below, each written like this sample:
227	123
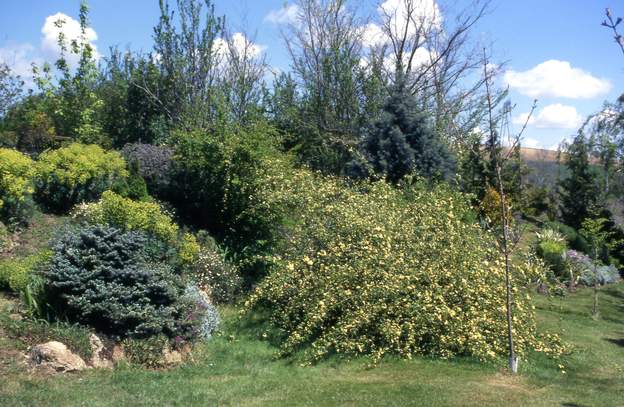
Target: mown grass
238	368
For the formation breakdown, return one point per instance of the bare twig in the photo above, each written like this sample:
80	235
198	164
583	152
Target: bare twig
613	24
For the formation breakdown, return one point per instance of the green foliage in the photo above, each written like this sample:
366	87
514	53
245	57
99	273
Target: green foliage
189	62
377	271
129	113
11	88
552	248
153	164
147	352
573	238
16	186
28	126
37	331
100	276
473	169
76	173
403	142
490	208
133	187
16	274
579	192
71	97
540	200
223	183
128	215
215	274
4	237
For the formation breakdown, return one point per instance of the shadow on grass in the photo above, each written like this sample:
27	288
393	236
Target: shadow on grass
618	342
613	292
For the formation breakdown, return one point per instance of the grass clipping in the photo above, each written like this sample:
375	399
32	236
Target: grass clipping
375	270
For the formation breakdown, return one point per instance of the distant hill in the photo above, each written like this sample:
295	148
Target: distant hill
538	154
543	166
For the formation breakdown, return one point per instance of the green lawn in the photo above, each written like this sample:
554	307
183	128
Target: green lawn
239	369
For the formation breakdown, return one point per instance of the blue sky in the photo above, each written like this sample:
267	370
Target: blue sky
556	50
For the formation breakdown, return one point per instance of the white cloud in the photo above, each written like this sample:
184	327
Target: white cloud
554	78
555	116
285	15
373	35
19	58
530	142
71	30
239	44
522	118
396	16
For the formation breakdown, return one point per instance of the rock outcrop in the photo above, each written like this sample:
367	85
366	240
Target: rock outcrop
55	357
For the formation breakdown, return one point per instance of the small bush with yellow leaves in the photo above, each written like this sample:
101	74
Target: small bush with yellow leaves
375	270
16	186
128	215
76	173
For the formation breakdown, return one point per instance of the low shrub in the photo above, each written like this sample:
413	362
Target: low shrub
216	275
133	187
551	247
16	274
490	208
149	217
5	238
76	173
100	276
205	313
602	274
16	187
579	263
574	239
375	270
153	165
146	352
222	183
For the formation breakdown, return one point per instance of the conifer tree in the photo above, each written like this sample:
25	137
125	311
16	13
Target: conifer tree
402	141
579	189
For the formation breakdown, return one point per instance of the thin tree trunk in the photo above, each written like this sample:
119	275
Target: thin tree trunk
513	360
595	307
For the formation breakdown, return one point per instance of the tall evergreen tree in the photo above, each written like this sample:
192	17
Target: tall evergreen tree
402	141
474	170
579	192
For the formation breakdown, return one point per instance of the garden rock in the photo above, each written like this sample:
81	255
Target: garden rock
98	353
55	357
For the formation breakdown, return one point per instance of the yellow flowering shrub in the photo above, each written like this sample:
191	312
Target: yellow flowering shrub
374	270
126	214
16	186
76	173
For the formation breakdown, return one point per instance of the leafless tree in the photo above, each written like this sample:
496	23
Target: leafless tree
325	47
436	54
244	67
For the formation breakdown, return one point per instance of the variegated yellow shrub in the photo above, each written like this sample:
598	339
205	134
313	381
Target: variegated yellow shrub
16	185
126	215
76	173
370	269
